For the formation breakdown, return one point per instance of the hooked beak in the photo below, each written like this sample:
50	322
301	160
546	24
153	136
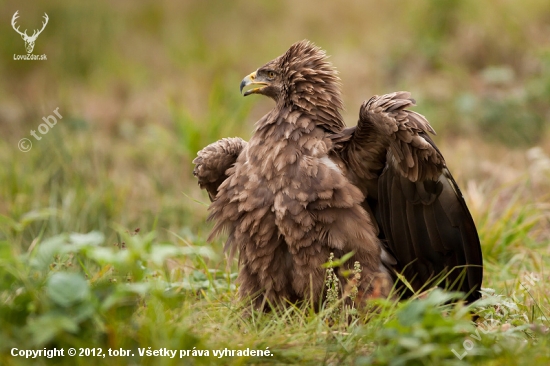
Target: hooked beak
251	79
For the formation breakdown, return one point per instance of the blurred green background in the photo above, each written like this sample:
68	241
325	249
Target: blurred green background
142	86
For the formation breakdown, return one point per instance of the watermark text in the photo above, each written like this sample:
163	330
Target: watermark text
25	144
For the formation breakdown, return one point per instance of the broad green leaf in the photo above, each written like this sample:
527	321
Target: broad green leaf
92	238
160	252
46	251
66	289
46	327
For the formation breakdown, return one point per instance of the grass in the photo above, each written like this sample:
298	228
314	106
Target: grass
142	87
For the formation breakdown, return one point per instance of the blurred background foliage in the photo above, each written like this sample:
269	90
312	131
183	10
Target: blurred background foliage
142	86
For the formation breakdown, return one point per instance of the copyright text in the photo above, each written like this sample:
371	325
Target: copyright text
141	352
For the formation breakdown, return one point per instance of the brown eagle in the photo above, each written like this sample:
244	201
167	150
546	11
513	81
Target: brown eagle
305	186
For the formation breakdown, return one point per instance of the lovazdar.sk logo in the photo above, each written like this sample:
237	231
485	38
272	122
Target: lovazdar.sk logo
29	40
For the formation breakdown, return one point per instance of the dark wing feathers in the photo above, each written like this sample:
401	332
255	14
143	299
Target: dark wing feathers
421	212
403	133
213	161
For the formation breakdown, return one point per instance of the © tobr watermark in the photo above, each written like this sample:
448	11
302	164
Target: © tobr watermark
25	144
29	40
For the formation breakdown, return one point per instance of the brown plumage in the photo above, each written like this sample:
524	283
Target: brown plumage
305	186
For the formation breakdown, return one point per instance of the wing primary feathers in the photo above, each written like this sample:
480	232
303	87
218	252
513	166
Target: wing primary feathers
422	215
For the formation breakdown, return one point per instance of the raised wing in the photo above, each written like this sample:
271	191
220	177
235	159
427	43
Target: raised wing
423	219
213	161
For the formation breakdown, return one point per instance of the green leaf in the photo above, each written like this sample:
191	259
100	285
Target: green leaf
337	262
10	223
409	342
126	293
46	251
412	313
160	252
105	256
66	289
44	328
92	238
439	297
6	251
201	251
37	215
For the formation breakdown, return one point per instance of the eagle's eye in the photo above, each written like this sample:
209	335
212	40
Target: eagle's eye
271	74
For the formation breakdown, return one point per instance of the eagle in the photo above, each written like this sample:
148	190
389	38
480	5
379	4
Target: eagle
305	186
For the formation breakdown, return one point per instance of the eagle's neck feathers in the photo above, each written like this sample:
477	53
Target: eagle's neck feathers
311	87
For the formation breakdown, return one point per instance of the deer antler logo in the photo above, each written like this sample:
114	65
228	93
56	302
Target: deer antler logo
29	40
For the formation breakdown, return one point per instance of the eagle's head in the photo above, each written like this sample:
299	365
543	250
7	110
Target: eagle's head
301	77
